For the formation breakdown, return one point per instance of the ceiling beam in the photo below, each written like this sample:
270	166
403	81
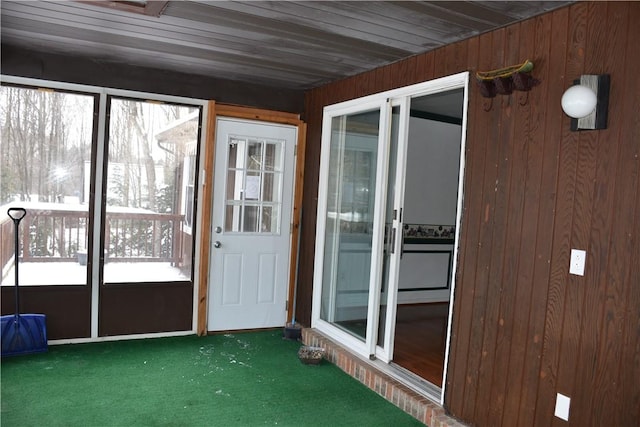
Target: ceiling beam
149	8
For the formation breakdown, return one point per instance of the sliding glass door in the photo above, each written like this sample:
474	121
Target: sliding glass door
355	166
349	219
359	237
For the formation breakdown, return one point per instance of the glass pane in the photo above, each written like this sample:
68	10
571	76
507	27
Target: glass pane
232	217
348	239
254	155
270	219
146	234
235	177
252	186
251	219
273	156
45	168
271	188
234	146
234	185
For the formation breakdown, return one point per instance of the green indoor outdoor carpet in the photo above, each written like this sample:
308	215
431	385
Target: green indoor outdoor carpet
241	379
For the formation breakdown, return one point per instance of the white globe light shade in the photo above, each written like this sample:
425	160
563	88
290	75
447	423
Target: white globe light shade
579	101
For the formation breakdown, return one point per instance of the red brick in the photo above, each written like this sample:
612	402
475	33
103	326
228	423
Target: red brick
408	400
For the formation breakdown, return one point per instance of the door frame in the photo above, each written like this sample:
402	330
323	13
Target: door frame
207	174
392	97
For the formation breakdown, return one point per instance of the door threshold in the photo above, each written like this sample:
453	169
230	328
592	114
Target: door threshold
411	380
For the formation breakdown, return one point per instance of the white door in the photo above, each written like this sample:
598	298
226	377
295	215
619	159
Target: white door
250	241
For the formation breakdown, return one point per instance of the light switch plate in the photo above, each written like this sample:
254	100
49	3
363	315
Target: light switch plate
562	406
576	265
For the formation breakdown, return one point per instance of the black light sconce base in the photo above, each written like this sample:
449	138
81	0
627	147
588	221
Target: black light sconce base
598	118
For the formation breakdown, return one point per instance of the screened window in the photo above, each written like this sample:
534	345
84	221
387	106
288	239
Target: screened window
149	210
47	139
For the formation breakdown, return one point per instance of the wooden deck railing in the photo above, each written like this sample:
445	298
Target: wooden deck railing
58	235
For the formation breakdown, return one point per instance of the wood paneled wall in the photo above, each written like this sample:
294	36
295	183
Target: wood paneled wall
525	329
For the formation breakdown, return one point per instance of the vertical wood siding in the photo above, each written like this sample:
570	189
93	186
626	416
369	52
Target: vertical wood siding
525	329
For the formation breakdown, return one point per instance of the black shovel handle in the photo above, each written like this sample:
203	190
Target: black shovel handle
16	214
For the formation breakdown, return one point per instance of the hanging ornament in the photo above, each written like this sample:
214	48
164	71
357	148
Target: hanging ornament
504	81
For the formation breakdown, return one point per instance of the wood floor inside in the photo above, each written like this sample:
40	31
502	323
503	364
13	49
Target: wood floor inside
421	331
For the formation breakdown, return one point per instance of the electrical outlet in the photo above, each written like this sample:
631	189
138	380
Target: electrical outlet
576	265
562	406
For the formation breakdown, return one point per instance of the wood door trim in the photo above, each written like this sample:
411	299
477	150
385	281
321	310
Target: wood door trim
258	114
214	111
296	220
205	228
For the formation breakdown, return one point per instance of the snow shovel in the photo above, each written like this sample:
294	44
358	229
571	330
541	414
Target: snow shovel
21	333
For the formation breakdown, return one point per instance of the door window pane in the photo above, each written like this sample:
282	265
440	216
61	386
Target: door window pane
349	221
232	212
45	168
269	218
250	219
254	155
273	157
271	187
148	228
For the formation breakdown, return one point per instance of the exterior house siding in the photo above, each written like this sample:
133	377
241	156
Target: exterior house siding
524	329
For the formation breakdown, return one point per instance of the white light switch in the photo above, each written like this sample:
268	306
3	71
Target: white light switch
576	265
562	406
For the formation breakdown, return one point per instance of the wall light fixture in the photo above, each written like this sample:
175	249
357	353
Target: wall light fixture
587	102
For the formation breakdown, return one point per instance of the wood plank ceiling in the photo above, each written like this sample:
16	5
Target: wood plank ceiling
286	44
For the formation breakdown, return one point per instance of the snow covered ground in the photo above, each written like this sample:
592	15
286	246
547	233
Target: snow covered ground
72	273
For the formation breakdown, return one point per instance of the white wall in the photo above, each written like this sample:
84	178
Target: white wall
433	157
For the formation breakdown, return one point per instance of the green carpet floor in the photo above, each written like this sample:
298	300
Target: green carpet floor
243	379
